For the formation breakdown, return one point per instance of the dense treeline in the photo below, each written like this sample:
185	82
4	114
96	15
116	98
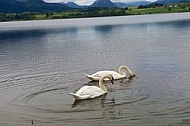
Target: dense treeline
97	12
182	5
80	13
150	6
21	16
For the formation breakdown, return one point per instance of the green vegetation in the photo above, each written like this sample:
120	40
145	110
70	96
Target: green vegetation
157	9
97	12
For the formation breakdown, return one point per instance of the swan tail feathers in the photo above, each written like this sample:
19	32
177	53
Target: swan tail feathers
89	76
75	96
92	77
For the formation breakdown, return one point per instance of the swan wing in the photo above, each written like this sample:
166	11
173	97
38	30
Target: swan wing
87	92
96	76
116	75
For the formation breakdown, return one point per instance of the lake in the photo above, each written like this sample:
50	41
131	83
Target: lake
42	61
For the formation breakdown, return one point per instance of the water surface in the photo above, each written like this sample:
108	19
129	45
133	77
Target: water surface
42	61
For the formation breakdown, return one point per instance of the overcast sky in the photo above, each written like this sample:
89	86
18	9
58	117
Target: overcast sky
89	2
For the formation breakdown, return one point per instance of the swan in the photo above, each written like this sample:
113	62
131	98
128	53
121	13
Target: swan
96	76
88	92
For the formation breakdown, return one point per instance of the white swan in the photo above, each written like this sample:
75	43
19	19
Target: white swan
96	76
88	92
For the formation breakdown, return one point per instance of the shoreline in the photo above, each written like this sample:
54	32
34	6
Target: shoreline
69	19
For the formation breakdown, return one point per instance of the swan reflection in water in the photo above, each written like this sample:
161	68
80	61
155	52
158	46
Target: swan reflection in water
102	106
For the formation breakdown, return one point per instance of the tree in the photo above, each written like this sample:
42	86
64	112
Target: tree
169	8
3	17
183	6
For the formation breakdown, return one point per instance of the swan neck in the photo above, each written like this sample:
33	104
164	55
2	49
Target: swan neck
121	70
101	84
127	69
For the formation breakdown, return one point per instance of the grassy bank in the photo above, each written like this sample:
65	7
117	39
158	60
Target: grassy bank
159	10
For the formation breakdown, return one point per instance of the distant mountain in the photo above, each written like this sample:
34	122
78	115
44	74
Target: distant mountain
22	0
16	6
120	4
73	5
10	6
139	3
103	3
170	1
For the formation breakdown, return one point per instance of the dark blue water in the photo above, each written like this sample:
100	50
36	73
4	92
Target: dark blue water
42	61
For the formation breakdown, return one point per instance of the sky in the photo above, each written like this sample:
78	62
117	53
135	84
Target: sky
89	2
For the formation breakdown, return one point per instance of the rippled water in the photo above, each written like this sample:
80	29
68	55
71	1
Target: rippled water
42	61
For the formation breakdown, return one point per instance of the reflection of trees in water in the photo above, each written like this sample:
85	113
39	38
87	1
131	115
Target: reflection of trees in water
126	80
102	105
104	28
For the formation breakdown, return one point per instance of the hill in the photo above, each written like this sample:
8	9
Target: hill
73	5
15	6
129	4
103	3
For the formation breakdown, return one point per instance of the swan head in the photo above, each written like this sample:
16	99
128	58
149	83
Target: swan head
132	75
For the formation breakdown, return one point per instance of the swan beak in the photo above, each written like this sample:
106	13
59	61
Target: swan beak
112	82
133	75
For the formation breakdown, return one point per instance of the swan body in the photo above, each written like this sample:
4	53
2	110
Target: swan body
96	76
88	92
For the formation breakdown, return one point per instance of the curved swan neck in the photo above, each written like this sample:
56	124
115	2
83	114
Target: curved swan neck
123	67
102	86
